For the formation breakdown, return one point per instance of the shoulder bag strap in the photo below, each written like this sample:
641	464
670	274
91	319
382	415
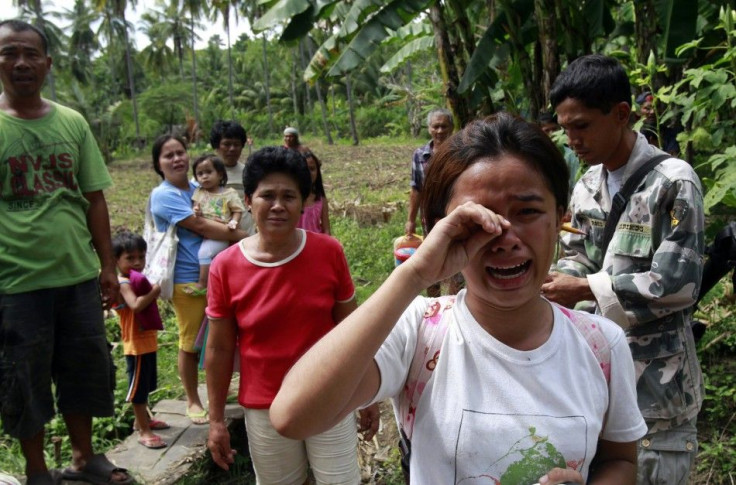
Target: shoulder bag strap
622	198
593	335
430	335
148	225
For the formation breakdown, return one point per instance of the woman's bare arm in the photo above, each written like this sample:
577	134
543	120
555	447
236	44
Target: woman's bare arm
614	464
211	229
338	373
219	355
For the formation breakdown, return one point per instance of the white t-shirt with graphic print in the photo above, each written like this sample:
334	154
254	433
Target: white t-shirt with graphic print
493	414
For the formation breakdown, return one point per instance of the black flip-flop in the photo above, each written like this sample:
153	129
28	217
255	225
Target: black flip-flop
98	470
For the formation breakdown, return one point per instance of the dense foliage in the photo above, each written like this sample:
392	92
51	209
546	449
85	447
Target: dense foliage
375	68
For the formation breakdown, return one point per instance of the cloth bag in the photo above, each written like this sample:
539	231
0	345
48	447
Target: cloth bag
161	254
149	318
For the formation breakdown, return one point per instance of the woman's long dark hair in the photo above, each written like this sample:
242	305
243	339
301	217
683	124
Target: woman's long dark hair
317	187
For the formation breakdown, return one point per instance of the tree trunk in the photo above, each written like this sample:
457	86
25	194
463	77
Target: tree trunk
230	71
310	105
412	105
131	81
40	26
645	29
267	86
550	56
294	74
353	129
195	104
524	62
465	42
179	48
113	70
562	16
322	104
458	104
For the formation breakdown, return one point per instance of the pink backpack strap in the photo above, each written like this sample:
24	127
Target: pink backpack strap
430	335
594	336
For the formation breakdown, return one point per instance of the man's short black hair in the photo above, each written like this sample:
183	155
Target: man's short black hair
597	81
226	129
20	26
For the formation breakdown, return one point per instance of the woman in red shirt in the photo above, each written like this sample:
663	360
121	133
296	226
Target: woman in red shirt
277	292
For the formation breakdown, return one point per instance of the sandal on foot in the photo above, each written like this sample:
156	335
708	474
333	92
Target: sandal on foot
152	442
99	471
154	425
198	417
158	425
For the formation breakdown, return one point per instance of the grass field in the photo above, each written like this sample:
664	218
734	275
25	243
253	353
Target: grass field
367	187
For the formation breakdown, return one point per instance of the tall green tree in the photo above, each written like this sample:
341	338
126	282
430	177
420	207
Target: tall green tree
226	8
34	10
82	41
119	24
157	56
252	11
170	20
194	10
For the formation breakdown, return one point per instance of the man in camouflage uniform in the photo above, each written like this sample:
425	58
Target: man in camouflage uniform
648	279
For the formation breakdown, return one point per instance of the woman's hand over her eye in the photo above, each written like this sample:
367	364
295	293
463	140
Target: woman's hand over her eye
455	239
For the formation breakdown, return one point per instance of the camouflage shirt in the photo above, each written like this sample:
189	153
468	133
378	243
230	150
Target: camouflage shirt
648	280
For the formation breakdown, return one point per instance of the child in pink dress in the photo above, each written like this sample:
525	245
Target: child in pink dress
316	212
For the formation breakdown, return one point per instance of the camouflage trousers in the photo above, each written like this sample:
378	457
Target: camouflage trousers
666	457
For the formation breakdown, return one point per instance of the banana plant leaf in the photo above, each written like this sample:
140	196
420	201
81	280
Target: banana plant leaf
488	49
374	30
679	19
409	51
282	10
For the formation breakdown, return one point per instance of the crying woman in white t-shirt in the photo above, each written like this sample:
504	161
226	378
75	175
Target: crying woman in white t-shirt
518	391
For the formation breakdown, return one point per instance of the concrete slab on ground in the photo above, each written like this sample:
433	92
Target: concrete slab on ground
187	443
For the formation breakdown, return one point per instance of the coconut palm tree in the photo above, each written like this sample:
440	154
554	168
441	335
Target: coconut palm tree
114	11
194	10
224	8
83	42
169	21
157	56
33	9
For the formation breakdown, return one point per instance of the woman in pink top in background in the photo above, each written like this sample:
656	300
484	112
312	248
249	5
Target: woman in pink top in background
316	212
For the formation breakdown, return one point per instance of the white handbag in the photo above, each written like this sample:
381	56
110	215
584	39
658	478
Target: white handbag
160	255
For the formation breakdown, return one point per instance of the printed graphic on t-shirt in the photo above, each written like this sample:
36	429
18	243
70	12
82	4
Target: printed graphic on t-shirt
48	168
516	449
214	208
